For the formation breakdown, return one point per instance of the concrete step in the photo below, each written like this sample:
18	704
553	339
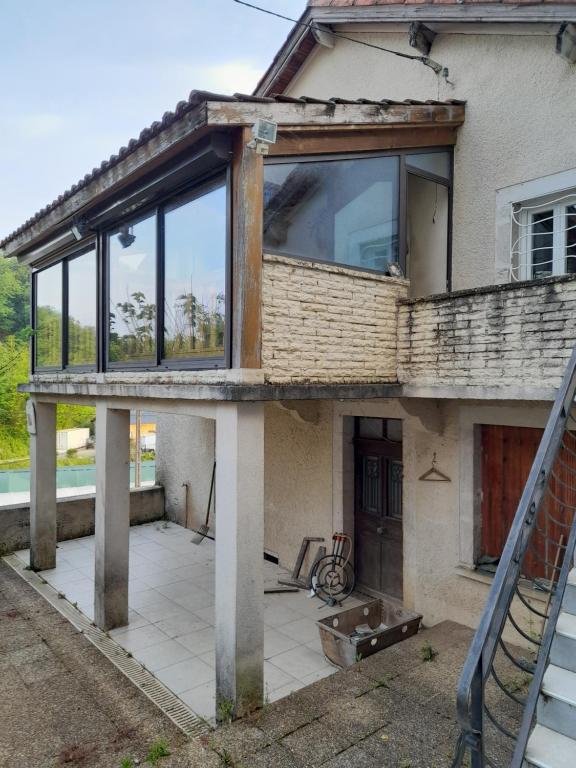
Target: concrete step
548	749
563	651
557	701
569	601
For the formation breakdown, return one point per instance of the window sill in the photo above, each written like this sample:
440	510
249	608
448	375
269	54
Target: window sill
487	579
337	269
212	376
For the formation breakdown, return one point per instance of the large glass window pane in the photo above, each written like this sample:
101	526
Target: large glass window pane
48	340
337	210
195	277
437	163
132	260
82	309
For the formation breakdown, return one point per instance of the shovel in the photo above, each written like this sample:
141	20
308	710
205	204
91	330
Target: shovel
202	532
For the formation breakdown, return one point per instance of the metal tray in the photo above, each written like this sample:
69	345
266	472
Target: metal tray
343	646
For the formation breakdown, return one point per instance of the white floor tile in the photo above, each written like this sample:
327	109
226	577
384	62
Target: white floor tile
201	700
302	630
181	623
164	654
299	662
134	640
276	642
198	642
186	674
277	614
156	612
275	678
171	617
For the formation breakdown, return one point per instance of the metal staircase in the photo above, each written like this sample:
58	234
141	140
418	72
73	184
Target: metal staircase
517	706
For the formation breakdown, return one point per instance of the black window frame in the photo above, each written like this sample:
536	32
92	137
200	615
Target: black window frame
191	191
62	258
403	170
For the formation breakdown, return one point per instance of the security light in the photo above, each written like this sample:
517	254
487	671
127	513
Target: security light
126	237
79	228
264	133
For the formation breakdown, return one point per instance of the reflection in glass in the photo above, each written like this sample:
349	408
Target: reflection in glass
48	339
338	210
542	246
132	260
195	274
82	309
437	163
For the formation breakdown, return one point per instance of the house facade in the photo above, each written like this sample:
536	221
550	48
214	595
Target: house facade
364	327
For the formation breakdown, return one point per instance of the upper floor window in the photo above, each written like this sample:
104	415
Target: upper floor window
544	238
132	291
167	274
81	309
48	317
389	213
344	211
195	276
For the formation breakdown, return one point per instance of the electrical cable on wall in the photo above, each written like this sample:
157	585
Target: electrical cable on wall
426	60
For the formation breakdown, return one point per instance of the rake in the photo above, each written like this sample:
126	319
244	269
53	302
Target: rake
202	532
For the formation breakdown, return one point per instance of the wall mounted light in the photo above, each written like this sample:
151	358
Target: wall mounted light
126	237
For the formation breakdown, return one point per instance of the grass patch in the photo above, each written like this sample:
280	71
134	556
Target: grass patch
157	751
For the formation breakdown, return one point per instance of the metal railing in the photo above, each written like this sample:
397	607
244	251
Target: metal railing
500	683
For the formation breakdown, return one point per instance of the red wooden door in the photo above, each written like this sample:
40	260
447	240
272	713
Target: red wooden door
507	457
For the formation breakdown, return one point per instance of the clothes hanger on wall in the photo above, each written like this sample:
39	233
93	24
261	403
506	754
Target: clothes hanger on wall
434	474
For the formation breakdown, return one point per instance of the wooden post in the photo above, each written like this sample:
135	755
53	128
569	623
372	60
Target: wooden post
248	191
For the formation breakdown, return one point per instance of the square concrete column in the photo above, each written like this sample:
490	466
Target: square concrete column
112	522
239	557
42	428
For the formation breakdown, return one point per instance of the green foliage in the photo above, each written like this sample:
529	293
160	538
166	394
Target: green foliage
127	762
138	341
157	751
14	300
225	711
427	652
13	371
70	416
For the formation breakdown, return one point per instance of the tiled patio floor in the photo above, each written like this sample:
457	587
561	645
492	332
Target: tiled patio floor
171	620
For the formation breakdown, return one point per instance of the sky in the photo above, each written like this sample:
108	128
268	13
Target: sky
79	78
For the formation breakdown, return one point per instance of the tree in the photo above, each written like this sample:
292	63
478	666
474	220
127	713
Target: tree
14	299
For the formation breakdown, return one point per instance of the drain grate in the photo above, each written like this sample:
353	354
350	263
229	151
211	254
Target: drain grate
168	702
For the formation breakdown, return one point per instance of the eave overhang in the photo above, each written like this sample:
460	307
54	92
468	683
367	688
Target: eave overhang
301	42
202	118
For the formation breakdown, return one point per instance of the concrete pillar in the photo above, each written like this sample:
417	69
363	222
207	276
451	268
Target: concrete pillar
112	519
42	427
239	557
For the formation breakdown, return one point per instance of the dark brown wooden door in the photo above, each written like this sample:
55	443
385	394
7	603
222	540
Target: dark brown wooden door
378	516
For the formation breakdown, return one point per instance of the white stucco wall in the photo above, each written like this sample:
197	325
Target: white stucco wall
518	114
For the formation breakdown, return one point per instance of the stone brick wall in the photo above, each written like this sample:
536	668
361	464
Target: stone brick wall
328	324
507	335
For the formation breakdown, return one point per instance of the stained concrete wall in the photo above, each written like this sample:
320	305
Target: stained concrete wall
75	517
297	477
510	335
515	86
185	454
324	323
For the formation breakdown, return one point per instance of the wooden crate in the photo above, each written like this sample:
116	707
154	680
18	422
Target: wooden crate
343	647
